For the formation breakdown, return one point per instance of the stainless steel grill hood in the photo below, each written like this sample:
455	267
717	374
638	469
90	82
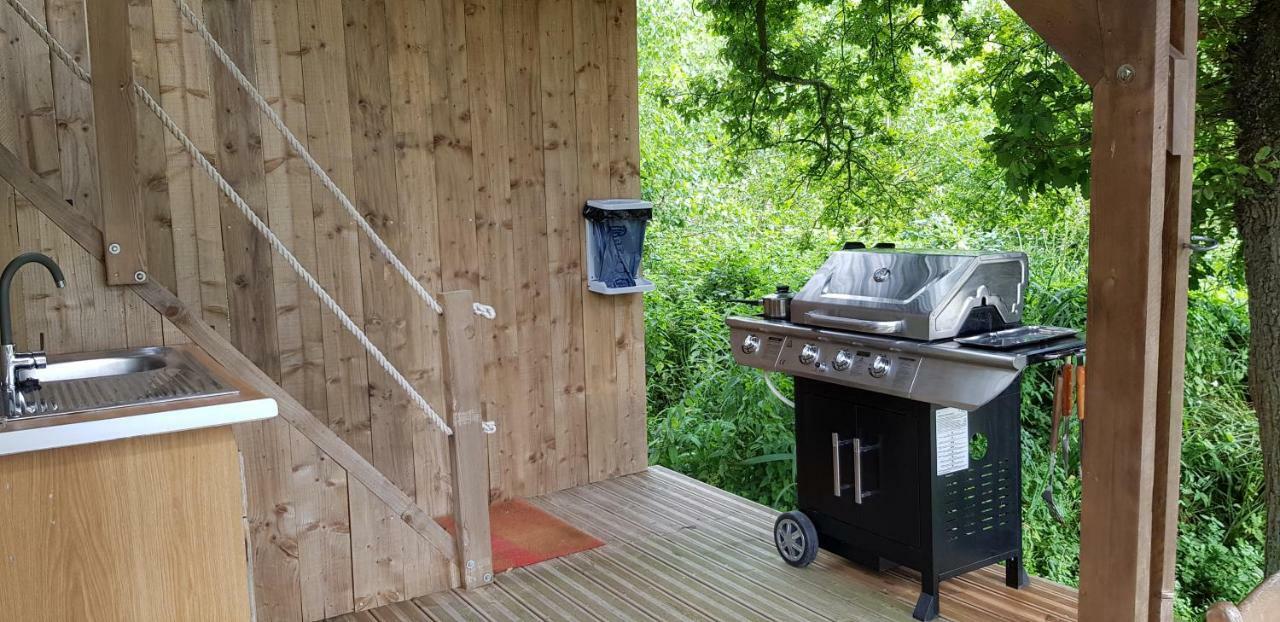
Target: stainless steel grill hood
912	294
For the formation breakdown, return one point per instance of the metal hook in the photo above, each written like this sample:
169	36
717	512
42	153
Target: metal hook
1202	244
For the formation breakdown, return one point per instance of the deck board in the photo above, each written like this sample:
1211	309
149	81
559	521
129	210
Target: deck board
678	549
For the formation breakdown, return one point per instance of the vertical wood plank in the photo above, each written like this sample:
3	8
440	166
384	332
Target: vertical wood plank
467	450
408	59
318	487
534	450
108	24
178	168
624	176
251	299
1126	229
74	109
451	120
494	261
10	245
151	165
603	394
198	98
1175	255
564	229
248	257
60	324
10	234
380	568
322	42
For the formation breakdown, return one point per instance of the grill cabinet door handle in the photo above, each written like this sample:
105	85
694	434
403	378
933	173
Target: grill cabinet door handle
857	471
837	485
835	464
862	326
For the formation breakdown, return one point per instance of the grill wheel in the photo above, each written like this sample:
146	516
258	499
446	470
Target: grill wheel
796	539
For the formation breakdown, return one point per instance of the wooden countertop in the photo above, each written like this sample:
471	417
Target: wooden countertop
41	433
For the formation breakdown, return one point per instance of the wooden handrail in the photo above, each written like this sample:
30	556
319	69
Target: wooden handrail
1261	605
88	236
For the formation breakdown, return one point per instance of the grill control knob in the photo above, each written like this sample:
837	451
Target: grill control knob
809	354
880	367
751	344
843	361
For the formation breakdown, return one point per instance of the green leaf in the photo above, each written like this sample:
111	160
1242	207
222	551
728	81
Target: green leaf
1262	153
769	458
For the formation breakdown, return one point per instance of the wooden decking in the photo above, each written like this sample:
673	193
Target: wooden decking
678	549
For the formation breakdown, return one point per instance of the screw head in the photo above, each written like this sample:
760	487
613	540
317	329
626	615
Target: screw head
488	577
1125	73
140	276
471	564
114	249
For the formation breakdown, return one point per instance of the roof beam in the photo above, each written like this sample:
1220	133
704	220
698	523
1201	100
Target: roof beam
1070	27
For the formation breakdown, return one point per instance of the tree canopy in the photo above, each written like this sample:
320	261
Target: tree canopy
823	81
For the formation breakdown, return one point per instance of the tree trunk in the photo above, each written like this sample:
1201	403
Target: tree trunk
1256	93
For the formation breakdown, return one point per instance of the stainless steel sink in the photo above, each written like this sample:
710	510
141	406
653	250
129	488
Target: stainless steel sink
118	379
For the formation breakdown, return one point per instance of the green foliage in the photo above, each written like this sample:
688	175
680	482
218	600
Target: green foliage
814	81
1044	111
732	223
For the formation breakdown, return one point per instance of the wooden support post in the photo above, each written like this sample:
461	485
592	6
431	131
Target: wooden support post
1175	254
468	453
1139	56
1136	279
117	134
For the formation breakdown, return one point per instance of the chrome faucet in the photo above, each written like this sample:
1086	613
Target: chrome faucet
10	361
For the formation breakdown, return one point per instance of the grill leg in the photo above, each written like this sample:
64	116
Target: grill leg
1015	576
927	604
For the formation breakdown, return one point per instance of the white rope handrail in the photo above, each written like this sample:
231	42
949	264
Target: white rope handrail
283	251
296	145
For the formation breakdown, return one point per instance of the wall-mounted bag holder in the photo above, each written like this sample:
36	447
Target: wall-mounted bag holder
615	243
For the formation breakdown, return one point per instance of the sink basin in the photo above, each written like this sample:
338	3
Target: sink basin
118	379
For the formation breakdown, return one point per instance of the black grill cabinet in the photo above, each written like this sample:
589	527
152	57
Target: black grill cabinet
867	477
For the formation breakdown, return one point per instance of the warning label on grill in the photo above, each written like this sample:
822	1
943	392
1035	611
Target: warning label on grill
953	440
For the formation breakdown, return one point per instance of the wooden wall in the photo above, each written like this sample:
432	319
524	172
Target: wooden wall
469	133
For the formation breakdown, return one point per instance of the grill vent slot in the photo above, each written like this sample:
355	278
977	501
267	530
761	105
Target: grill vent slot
978	499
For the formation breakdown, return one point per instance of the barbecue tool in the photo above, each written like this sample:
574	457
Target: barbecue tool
1080	383
1068	406
1058	398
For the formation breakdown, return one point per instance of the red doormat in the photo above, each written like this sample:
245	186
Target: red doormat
523	535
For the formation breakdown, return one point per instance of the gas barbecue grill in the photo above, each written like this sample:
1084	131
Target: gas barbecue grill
908	368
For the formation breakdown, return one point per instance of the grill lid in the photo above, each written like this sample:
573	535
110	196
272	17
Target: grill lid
915	294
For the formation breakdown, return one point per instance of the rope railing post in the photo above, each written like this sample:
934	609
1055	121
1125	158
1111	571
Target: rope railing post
468	451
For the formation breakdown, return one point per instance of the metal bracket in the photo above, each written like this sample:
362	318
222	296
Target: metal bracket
1202	244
